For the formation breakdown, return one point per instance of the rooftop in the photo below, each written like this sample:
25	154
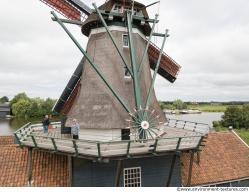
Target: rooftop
48	169
224	158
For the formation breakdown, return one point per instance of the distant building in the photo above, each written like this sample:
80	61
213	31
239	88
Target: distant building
4	110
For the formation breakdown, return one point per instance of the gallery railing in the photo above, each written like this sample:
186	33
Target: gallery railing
26	136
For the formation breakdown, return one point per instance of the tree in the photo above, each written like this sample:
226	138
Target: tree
233	117
22	108
18	97
245	116
4	99
179	104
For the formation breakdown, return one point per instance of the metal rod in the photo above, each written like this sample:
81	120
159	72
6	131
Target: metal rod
147	46
190	169
30	166
136	82
113	40
155	72
95	67
118	173
151	4
173	162
159	34
73	22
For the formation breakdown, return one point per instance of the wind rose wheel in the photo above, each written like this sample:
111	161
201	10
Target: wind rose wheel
144	124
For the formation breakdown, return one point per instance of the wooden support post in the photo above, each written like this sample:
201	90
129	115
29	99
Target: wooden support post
155	146
128	149
54	144
17	139
190	168
118	173
75	148
70	170
34	141
29	167
173	162
99	152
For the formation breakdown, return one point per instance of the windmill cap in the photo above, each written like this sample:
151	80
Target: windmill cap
93	21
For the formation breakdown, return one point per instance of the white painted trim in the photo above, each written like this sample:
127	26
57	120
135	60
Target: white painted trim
240	138
115	28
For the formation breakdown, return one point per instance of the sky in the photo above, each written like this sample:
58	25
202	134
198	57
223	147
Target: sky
208	38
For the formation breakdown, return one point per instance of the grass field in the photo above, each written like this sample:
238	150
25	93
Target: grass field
209	107
244	134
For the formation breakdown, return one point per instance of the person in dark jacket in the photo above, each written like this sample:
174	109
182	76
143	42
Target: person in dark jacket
45	124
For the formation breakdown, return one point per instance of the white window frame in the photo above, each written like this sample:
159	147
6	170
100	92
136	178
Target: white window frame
123	36
132	171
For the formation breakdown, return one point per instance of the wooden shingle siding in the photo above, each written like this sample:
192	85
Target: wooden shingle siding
155	171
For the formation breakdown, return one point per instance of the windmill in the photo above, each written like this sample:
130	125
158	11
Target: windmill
111	94
112	90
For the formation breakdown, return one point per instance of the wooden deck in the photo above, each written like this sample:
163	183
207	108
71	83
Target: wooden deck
31	135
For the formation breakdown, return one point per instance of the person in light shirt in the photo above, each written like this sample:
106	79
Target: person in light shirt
75	129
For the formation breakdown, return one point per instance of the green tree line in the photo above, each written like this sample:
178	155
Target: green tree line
24	106
177	104
235	116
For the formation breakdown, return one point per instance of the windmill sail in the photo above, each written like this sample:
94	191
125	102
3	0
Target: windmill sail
71	9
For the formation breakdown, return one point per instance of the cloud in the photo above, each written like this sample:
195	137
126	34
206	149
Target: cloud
209	39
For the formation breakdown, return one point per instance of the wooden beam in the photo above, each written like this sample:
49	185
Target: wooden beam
173	162
70	170
29	167
190	168
118	173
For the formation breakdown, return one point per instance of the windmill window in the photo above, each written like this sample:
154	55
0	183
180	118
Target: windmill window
125	41
117	8
127	74
132	177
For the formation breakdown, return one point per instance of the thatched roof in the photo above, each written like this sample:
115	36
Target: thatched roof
93	20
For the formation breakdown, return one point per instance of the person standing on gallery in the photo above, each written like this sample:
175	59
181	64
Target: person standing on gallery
45	124
75	129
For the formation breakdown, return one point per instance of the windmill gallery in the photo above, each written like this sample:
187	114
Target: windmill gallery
125	139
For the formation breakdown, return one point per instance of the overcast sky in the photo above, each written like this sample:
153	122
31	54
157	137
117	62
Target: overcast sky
209	39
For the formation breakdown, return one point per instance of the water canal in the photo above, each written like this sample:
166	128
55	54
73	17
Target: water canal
8	126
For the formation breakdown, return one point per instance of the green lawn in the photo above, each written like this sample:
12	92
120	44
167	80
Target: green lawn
209	108
244	134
